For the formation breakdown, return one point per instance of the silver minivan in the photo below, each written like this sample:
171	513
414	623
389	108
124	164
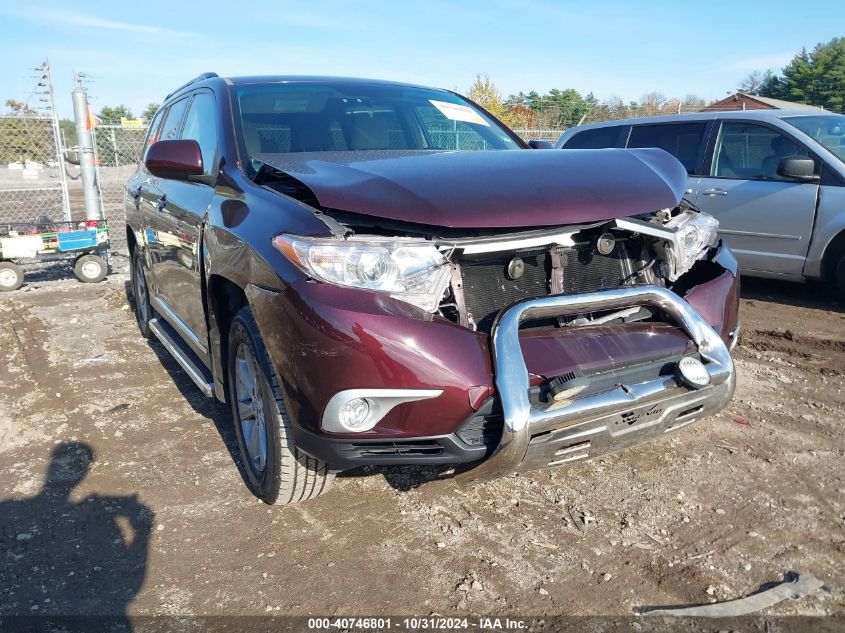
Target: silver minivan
775	180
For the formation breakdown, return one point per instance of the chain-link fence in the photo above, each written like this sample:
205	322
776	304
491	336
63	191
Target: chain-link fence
32	178
117	149
531	134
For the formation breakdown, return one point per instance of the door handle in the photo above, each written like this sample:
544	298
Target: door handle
687	191
162	202
714	192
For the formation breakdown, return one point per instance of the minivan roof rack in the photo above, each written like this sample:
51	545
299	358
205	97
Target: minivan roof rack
201	77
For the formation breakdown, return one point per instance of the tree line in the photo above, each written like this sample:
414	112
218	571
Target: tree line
559	109
815	77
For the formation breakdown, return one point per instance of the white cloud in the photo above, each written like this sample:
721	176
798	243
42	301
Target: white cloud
92	21
762	62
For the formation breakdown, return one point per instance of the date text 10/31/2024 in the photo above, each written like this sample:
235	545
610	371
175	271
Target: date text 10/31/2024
416	624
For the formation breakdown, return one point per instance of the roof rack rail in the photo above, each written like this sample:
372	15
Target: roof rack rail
201	77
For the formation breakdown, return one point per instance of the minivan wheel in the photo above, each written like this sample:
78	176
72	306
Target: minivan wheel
276	471
840	276
11	276
143	310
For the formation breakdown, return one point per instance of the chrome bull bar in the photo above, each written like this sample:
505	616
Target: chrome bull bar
588	426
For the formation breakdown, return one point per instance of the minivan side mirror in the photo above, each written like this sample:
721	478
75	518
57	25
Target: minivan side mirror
797	168
175	160
540	145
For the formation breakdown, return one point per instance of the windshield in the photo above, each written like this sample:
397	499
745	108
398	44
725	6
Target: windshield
827	129
340	117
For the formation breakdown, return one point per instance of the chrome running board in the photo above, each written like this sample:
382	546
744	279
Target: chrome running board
195	372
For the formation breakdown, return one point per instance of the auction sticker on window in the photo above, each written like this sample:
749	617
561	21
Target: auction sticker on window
458	112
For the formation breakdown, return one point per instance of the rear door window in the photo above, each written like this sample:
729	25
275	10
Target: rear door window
682	140
596	138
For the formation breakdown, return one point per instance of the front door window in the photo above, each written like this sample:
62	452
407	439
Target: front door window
752	152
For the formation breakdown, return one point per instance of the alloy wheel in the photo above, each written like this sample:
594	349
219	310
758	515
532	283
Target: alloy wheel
251	407
141	298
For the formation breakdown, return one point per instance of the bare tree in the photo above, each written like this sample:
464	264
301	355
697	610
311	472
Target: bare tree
693	103
754	82
652	103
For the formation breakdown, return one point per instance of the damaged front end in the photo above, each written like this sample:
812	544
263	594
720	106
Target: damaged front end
469	279
596	336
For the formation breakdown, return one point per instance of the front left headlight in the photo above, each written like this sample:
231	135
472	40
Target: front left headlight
695	232
409	270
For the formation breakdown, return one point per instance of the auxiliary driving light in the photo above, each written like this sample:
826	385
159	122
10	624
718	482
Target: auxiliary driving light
693	373
359	410
353	415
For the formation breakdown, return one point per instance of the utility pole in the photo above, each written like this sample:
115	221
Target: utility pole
88	171
57	142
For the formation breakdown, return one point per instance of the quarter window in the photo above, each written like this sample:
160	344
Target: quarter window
752	152
170	129
597	138
682	140
152	135
201	126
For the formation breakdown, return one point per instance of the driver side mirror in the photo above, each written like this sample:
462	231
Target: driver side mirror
797	168
175	160
540	145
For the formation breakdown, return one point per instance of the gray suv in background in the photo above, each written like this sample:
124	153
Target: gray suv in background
775	180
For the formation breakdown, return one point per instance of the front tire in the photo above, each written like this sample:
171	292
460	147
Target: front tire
141	292
276	470
90	269
11	276
839	277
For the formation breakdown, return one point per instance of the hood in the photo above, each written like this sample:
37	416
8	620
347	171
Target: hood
490	189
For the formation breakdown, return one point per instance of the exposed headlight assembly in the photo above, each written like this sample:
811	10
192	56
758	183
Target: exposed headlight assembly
695	232
409	270
679	241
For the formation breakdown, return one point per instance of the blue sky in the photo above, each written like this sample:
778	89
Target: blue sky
137	52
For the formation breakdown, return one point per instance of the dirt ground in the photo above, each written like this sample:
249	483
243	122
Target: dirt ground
161	522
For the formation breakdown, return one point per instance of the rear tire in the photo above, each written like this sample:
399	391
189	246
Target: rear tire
141	293
11	276
276	470
90	269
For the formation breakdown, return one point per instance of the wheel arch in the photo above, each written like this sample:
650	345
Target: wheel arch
832	254
224	298
131	240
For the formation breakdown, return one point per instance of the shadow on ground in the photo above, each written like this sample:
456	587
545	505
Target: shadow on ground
208	408
62	556
812	295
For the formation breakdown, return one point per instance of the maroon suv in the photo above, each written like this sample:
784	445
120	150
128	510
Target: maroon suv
330	258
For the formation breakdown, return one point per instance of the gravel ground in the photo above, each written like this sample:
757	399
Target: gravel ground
120	490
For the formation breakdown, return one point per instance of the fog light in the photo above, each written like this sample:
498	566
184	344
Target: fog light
354	414
693	373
